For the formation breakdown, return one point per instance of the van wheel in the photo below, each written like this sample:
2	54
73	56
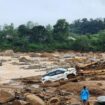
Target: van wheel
48	82
70	76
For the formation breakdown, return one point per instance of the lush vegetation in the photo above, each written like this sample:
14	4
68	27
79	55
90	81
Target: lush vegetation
81	35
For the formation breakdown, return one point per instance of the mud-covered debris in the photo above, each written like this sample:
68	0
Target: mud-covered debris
31	80
96	92
51	84
45	54
54	101
20	102
0	62
93	65
8	53
23	59
5	96
35	54
35	66
97	78
73	101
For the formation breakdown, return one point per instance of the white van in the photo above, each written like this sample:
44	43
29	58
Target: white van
57	74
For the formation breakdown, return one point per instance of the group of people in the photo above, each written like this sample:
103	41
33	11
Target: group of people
84	95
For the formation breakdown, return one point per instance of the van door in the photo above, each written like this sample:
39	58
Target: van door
60	74
52	76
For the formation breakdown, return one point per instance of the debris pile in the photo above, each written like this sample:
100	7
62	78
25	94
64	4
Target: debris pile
31	91
5	97
99	65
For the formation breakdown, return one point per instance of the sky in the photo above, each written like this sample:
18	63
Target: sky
49	11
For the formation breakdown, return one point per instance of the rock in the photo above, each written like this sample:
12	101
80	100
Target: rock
20	102
34	100
96	92
101	99
5	96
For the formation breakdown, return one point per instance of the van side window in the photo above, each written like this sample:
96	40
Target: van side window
52	73
59	72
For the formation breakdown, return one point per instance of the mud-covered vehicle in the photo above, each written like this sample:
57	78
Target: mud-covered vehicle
58	74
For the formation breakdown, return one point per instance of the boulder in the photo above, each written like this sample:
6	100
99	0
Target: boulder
34	100
5	96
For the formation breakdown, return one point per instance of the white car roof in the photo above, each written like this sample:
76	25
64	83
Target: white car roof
62	69
71	68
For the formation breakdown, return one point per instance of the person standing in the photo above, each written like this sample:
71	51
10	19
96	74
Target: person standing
84	95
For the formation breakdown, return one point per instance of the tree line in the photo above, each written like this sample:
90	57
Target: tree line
80	35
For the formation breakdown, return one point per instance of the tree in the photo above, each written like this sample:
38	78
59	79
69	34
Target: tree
101	41
61	30
9	29
49	28
85	26
30	25
81	44
39	34
49	34
23	31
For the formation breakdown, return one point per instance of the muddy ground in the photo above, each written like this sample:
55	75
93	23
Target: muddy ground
20	78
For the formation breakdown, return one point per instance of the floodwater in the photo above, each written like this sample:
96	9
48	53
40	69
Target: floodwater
8	71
